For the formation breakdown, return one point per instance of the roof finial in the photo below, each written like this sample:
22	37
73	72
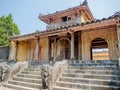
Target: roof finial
85	2
80	3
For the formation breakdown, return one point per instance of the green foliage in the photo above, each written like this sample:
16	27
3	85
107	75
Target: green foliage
7	29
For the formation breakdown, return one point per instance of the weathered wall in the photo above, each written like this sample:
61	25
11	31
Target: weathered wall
44	48
32	49
118	33
110	35
82	19
4	52
22	51
100	56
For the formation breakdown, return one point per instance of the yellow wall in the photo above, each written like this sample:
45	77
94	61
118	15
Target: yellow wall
84	18
32	49
110	35
44	48
22	51
100	56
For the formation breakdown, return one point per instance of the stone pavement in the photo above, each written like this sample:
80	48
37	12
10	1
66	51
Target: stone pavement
3	88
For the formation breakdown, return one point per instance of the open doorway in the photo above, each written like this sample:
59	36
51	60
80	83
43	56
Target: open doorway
99	49
63	49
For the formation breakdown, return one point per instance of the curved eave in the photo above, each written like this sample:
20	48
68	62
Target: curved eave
77	8
22	37
89	13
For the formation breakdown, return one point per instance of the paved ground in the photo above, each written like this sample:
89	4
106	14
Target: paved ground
2	88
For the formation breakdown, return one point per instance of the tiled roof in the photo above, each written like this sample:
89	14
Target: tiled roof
74	25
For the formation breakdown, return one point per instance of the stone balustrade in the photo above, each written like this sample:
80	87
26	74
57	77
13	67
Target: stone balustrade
10	70
63	24
55	72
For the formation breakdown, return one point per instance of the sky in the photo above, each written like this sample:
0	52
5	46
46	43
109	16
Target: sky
25	12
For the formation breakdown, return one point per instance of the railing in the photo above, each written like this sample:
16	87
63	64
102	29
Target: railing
55	72
10	69
62	24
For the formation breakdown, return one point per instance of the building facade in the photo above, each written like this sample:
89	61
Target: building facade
70	34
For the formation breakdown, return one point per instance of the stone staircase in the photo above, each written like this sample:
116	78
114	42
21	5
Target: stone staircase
27	79
90	75
80	75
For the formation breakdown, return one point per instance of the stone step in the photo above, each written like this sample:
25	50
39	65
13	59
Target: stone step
28	79
64	88
34	66
86	86
5	88
28	84
113	72
93	68
29	76
94	64
33	69
94	61
92	76
90	81
31	80
31	72
16	87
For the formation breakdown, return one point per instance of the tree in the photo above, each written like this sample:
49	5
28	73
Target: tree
7	29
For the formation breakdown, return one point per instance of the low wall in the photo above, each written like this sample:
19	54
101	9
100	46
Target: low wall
4	52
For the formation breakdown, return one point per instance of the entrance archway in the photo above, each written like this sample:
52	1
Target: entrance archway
63	49
99	49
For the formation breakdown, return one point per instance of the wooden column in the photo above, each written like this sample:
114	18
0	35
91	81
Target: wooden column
79	46
37	48
29	51
49	48
72	45
118	34
16	50
54	49
10	52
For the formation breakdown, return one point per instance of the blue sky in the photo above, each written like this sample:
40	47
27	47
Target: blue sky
25	12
